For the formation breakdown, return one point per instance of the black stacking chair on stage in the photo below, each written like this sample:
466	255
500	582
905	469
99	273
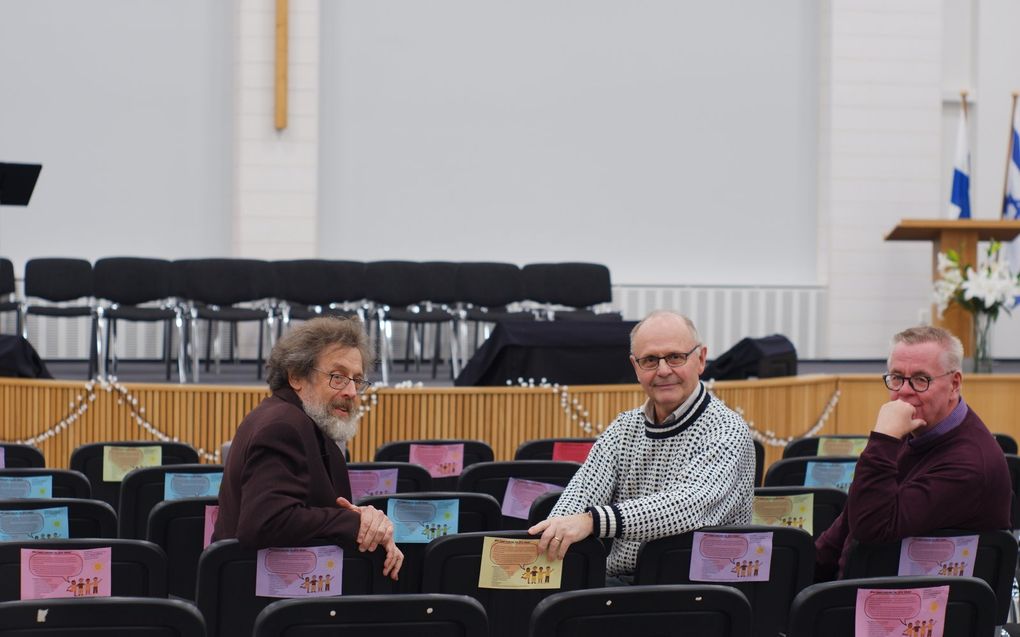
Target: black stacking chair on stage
139	290
668	561
316	287
411	478
88	459
115	616
66	483
542	449
790	472
22	456
400	451
451	566
137	568
226	584
808	445
828	503
415	294
231	291
829	608
1007	442
704	610
178	527
59	281
489	292
492	478
390	615
477	512
995	563
85	518
8	293
570	291
143	488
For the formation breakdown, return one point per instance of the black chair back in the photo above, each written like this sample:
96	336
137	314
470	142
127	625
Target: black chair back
827	503
411	478
759	461
668	561
451	566
88	459
58	279
542	507
1013	463
830	608
1007	442
400	451
144	488
489	285
65	483
137	568
132	280
791	472
225	591
85	518
397	615
493	477
116	616
22	456
995	563
320	282
704	610
178	527
542	449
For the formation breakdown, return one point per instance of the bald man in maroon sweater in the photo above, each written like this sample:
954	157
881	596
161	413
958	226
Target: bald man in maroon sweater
930	462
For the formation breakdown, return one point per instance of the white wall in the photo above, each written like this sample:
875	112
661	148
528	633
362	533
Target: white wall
127	104
674	141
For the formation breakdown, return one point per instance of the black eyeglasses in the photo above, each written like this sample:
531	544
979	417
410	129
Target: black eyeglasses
673	359
918	383
339	381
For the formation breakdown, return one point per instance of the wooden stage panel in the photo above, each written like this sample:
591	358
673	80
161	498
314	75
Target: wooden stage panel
205	416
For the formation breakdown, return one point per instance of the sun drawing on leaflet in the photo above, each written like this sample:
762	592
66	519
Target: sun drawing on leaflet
759	550
965	553
97	566
447	515
934	606
330	563
56	524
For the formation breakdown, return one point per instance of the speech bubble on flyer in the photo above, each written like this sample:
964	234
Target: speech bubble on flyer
722	546
768	507
511	555
413	511
289	561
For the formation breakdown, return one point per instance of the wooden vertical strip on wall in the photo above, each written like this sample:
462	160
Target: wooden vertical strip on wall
280	94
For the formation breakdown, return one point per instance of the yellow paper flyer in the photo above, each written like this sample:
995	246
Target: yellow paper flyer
785	510
516	564
117	461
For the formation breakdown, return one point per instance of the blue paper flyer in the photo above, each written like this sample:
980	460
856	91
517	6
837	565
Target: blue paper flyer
191	485
12	488
421	521
35	524
837	475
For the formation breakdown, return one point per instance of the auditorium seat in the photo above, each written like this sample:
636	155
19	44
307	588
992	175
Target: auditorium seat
114	616
85	518
58	281
178	527
64	483
543	448
411	478
88	459
452	562
830	608
1007	442
791	472
828	503
384	615
667	560
493	477
21	456
144	488
704	610
137	568
808	445
400	451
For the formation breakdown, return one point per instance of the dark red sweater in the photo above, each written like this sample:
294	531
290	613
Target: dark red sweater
956	481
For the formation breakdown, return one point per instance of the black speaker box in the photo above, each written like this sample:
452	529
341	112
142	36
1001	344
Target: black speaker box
764	357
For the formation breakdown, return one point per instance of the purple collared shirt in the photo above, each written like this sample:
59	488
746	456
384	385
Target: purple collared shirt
950	422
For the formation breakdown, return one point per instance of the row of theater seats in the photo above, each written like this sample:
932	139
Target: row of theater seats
180	293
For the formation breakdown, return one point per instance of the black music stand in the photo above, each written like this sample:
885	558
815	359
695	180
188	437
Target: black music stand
17	181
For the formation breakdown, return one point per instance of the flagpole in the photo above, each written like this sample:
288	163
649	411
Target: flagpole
1009	153
963	102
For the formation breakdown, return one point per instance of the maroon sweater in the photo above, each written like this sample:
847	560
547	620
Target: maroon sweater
282	479
956	481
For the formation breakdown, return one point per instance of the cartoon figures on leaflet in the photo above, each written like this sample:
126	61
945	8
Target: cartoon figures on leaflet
921	628
83	586
952	569
432	531
317	584
745	568
536	574
795	522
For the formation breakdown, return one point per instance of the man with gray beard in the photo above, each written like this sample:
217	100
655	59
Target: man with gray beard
285	481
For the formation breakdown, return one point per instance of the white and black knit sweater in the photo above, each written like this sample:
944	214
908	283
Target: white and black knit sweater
643	481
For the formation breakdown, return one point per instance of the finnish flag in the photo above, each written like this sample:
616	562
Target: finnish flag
959	198
1011	200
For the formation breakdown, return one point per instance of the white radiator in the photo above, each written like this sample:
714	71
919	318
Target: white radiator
724	315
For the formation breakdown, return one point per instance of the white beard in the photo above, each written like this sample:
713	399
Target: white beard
336	428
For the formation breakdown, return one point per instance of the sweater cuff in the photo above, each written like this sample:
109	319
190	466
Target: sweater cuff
606	521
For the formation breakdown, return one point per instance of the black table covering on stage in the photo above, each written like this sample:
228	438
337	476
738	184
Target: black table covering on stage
19	359
568	353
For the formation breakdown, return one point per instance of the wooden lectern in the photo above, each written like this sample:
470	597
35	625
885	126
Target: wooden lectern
961	235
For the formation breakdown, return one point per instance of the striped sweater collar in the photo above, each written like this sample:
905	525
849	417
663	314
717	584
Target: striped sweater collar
680	419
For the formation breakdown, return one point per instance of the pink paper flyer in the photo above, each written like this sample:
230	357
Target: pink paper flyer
442	461
915	612
951	556
314	571
212	512
47	574
521	493
731	557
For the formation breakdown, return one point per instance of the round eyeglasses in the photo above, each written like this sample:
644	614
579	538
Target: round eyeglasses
339	381
919	383
673	359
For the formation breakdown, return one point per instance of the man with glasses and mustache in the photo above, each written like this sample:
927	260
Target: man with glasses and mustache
285	481
681	461
930	463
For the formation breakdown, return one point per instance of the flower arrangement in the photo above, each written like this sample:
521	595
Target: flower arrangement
983	291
